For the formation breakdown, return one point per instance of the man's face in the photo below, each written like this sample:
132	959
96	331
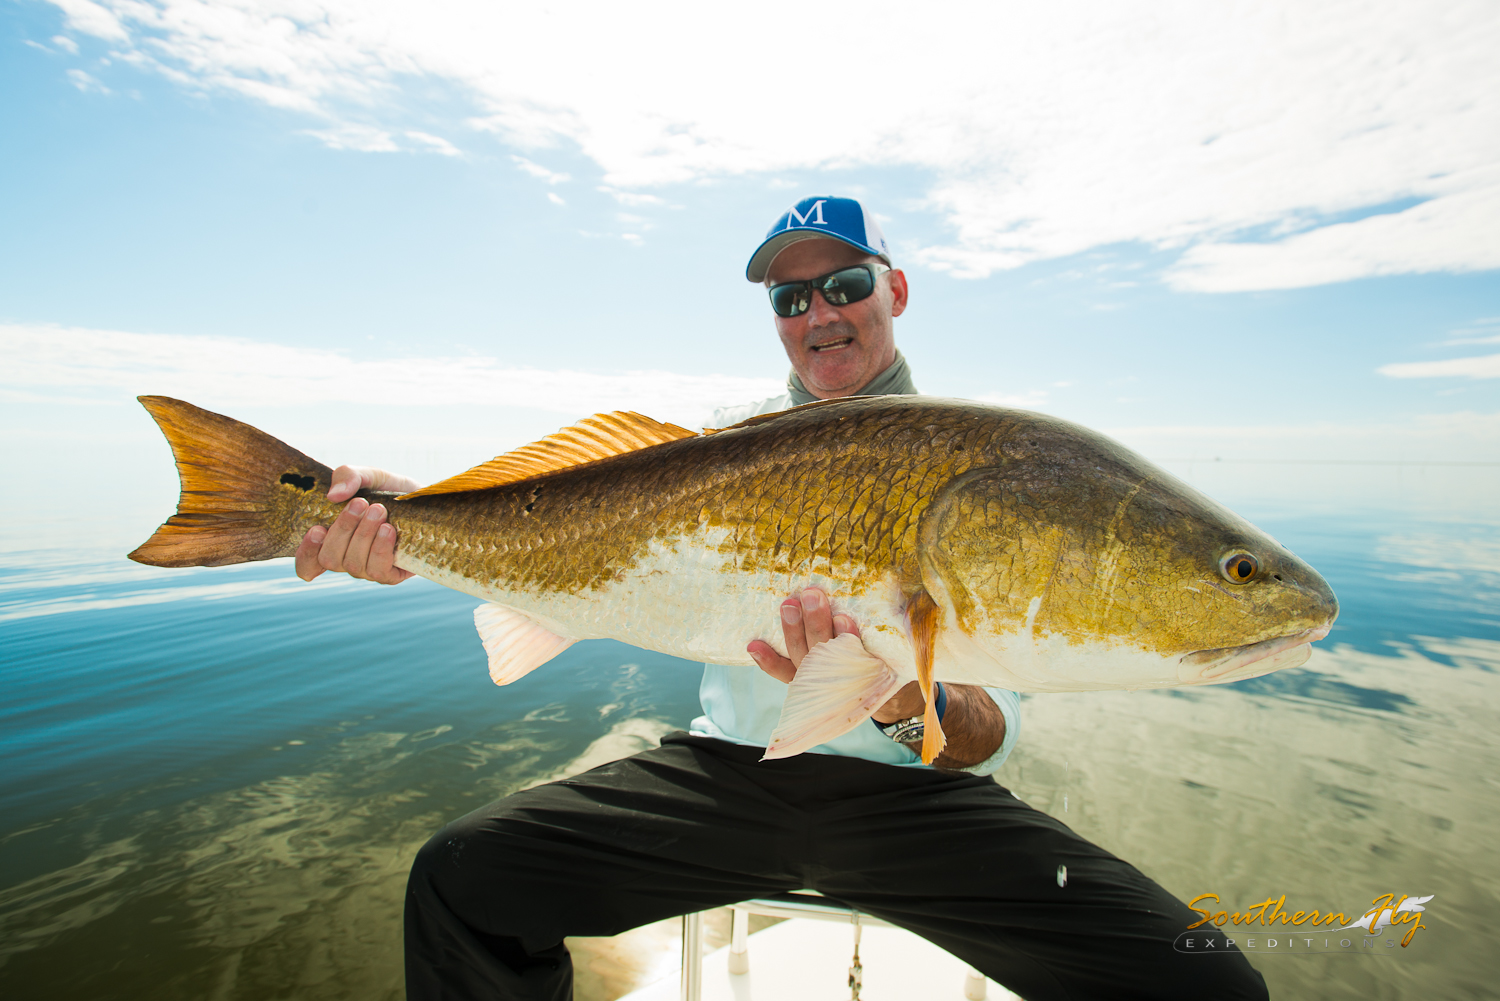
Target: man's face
837	350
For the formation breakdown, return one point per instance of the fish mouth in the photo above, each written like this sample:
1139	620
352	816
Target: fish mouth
832	345
1236	663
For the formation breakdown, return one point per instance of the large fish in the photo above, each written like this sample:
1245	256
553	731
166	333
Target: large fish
972	543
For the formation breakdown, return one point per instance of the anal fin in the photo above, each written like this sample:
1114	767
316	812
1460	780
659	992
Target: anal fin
515	643
838	685
923	614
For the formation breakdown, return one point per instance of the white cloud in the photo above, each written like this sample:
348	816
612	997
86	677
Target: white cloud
435	144
1029	400
92	19
632	198
66	363
1252	137
65	43
539	172
1460	437
363	138
1482	367
555	198
86	83
369	139
1432	236
1483	331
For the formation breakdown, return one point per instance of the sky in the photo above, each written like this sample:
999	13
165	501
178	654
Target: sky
416	235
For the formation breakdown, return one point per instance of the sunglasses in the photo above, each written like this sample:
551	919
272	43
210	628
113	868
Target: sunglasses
839	288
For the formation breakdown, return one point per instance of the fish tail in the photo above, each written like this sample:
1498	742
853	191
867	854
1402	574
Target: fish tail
245	495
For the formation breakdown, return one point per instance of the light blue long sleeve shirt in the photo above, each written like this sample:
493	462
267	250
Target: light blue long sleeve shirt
742	705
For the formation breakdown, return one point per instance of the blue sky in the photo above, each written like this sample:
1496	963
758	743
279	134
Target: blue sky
425	233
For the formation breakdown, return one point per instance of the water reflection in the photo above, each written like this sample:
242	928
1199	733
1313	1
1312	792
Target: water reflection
1376	777
207	798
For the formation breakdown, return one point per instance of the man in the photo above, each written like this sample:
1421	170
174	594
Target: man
701	821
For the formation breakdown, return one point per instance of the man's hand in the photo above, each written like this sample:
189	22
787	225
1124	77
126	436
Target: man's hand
807	620
974	724
359	542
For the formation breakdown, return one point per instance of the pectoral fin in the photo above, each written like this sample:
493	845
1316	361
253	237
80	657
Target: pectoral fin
516	644
924	615
837	687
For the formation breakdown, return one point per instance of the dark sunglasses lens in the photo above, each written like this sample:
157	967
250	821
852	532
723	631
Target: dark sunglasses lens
790	299
849	285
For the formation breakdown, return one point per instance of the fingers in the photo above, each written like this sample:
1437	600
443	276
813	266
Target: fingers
768	660
360	543
349	480
793	631
381	566
806	621
817	617
336	542
380	479
306	558
357	556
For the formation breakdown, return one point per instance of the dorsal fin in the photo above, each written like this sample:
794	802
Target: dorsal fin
593	438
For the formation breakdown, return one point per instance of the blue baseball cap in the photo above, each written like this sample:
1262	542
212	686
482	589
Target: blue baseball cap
819	216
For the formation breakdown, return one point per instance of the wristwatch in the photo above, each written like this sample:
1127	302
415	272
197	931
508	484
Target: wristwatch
906	731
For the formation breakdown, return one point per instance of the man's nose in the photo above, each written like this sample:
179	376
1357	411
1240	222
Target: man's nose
820	313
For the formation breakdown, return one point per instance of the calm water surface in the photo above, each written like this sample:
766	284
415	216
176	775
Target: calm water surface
215	779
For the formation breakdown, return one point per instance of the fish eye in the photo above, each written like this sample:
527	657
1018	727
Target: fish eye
1239	567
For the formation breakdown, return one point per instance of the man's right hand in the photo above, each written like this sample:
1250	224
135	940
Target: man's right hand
359	542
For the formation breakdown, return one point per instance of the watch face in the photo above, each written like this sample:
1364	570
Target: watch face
905	731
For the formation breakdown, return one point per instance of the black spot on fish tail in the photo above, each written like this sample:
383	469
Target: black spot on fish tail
300	482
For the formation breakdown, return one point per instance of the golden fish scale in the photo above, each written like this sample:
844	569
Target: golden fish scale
799	495
1112	546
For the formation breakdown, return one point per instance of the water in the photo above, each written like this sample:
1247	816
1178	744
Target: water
215	779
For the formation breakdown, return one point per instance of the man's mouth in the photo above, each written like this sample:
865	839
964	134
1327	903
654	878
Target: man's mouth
832	344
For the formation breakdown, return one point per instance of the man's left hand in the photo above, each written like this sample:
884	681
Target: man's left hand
807	620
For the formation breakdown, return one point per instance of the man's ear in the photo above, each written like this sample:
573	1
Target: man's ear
898	291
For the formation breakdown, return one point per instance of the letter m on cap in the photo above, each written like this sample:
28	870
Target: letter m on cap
815	213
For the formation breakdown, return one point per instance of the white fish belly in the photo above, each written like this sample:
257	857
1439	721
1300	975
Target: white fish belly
687	599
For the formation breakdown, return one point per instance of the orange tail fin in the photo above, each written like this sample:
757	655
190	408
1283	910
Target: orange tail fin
245	495
924	616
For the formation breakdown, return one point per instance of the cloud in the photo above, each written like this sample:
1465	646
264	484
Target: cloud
632	198
92	19
435	144
1437	235
364	138
1460	437
1265	142
369	139
1482	367
555	198
86	83
1029	400
69	363
65	43
539	172
1483	331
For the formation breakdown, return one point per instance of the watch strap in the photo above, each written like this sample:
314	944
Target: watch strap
905	731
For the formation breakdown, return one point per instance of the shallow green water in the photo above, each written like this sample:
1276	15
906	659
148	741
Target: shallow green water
215	779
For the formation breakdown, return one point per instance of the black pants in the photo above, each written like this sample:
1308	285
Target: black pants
699	823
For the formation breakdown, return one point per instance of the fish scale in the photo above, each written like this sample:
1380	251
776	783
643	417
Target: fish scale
1042	556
